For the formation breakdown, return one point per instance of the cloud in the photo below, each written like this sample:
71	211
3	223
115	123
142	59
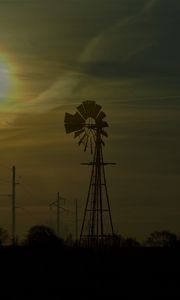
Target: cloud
150	5
58	94
37	47
145	46
135	52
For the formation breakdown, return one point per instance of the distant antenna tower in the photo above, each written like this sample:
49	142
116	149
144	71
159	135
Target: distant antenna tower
88	125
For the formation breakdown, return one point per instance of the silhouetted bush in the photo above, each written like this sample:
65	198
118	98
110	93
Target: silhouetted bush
162	238
130	242
4	236
40	235
118	240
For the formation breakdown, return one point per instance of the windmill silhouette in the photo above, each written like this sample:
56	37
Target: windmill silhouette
89	126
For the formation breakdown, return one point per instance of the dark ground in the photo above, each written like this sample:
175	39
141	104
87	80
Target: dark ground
66	273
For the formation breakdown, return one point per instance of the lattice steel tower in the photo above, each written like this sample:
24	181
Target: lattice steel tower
88	125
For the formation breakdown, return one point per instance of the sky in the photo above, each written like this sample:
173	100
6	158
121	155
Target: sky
123	54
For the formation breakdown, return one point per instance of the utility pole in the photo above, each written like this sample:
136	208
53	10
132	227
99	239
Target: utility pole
58	208
76	220
13	205
58	214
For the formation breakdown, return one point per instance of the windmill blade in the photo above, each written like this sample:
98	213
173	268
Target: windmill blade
73	119
82	139
100	117
96	111
82	111
104	133
86	143
78	118
91	144
79	132
73	127
73	122
94	136
69	118
89	107
103	142
104	124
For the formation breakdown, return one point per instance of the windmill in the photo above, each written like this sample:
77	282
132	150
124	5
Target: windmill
88	126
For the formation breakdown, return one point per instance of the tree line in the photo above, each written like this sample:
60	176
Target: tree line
41	235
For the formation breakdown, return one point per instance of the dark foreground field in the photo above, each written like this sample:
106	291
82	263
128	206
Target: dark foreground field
62	273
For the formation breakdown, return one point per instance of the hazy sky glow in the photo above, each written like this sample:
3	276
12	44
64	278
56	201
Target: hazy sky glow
124	54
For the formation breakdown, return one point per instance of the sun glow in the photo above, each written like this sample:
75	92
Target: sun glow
8	82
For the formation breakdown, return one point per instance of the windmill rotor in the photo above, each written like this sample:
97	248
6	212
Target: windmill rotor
85	123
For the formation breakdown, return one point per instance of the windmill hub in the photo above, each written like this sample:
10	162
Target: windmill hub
90	123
